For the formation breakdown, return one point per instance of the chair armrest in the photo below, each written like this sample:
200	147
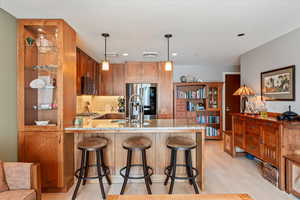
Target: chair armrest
36	180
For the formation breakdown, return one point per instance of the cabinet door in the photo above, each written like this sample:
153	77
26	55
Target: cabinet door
239	132
118	71
253	138
165	92
270	134
45	148
107	82
150	72
133	72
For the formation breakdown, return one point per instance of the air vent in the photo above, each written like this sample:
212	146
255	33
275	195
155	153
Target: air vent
112	54
150	54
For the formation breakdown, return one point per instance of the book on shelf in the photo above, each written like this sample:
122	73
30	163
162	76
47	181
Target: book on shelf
210	131
211	119
198	94
191	107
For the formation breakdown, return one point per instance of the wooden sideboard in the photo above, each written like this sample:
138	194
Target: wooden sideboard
266	138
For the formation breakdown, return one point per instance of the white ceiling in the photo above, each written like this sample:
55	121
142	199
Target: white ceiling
204	30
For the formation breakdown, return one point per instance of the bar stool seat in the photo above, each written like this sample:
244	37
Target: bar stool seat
181	143
186	144
93	144
137	142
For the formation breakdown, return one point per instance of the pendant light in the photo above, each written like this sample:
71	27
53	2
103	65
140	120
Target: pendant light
105	63
168	64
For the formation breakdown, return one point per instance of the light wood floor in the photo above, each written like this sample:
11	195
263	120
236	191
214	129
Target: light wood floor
223	175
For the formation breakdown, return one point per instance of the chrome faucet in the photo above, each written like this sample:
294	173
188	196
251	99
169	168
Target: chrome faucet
136	103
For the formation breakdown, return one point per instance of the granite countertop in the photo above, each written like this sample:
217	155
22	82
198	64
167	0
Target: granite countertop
122	125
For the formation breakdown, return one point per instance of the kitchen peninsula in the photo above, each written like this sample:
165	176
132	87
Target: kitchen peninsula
116	131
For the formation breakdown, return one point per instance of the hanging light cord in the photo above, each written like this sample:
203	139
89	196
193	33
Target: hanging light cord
105	48
168	49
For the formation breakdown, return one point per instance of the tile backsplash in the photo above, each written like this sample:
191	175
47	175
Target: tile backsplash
97	103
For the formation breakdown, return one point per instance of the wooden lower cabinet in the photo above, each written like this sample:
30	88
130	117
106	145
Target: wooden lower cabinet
270	140
266	138
51	150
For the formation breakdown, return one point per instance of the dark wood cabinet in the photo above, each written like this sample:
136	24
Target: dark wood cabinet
266	138
133	72
88	74
49	158
150	72
239	134
253	137
270	141
112	81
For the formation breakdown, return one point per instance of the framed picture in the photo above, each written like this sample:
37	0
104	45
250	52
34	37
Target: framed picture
278	84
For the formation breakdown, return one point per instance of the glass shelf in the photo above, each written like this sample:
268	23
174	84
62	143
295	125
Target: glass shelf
41	62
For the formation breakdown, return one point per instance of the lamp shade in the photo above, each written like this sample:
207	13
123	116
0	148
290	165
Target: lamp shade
168	66
105	65
244	91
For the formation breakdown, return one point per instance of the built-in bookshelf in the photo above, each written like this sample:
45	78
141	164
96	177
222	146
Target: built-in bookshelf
201	102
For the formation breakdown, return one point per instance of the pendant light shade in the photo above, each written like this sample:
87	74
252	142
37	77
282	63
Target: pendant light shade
168	64
105	63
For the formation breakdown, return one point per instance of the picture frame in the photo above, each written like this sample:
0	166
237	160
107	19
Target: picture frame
279	84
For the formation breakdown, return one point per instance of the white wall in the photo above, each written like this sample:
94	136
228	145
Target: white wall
281	52
206	73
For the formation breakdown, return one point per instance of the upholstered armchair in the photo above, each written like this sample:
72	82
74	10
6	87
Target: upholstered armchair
22	181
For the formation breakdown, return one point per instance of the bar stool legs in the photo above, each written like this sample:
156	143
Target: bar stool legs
83	161
141	144
191	172
98	155
104	166
146	172
174	163
94	144
86	167
128	166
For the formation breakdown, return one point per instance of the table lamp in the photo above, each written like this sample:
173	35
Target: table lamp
244	91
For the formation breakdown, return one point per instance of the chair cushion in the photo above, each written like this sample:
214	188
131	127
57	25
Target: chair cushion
17	175
3	184
18	195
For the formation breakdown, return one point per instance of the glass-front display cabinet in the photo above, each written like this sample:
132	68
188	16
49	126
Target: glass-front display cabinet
44	64
47	98
41	65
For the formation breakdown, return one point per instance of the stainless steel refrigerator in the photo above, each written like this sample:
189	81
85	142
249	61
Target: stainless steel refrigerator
148	92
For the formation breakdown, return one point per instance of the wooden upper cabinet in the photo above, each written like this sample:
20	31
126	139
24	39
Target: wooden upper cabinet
133	72
112	81
165	92
150	72
107	82
118	72
88	75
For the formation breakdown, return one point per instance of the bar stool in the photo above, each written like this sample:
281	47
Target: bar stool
131	144
93	144
180	143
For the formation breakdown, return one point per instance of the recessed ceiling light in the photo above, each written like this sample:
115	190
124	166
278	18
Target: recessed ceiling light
241	34
40	30
125	54
150	54
174	54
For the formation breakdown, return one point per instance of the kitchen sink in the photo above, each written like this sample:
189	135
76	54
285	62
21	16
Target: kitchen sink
112	116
